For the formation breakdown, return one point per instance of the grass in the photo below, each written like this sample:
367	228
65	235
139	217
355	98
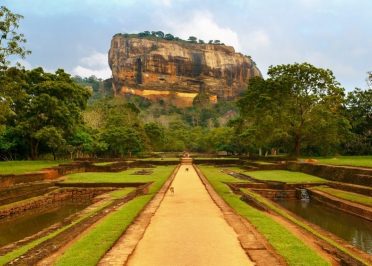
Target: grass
89	249
19	167
126	176
159	176
285	176
346	195
120	193
103	163
216	158
293	250
365	161
171	159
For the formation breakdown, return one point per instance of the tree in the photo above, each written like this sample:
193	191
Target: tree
217	41
192	39
298	103
10	41
123	140
201	42
169	37
160	34
359	112
10	45
52	137
51	108
210	42
369	79
156	135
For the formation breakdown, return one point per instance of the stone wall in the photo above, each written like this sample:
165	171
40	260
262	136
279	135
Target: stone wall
61	196
354	175
333	202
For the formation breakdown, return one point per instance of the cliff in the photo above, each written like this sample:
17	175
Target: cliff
177	71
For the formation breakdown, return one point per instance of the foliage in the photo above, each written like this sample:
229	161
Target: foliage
10	40
298	106
46	110
358	109
168	36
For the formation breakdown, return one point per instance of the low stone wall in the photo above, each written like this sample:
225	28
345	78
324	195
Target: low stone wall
248	165
60	196
354	175
24	191
275	194
355	209
98	185
218	161
11	180
352	188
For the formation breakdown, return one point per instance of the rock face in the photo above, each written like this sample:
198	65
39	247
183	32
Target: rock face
177	71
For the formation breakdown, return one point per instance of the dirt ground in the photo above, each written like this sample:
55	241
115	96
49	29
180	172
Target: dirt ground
188	229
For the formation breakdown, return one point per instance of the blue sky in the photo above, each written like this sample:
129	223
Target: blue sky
76	34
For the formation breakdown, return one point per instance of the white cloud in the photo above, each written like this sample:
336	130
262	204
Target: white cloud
95	60
257	40
95	64
203	25
87	72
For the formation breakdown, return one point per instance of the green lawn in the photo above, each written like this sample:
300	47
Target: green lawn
346	195
124	176
293	250
365	161
103	163
170	159
19	167
263	162
89	249
284	176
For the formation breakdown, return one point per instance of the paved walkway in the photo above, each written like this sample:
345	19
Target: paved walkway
188	229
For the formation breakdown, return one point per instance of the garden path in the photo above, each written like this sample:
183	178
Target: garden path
188	229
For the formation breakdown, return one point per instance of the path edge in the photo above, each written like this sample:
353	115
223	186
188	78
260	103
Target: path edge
136	230
242	227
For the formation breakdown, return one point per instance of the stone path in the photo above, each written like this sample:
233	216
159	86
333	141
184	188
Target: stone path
188	229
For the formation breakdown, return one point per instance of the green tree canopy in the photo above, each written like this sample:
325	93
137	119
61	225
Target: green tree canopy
298	103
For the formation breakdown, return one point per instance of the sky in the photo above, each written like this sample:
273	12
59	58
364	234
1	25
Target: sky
75	34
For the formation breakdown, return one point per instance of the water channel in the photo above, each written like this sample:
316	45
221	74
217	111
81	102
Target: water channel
16	228
355	230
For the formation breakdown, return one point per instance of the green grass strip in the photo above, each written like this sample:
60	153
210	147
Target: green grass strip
346	195
285	176
293	250
89	249
363	161
103	163
19	167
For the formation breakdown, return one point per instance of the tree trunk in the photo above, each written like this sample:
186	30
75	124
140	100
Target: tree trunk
297	146
260	152
34	149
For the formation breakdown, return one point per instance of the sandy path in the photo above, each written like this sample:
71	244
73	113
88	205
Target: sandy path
188	229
